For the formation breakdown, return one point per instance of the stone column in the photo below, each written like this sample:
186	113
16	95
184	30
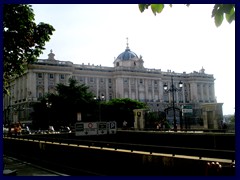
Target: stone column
45	82
160	90
193	89
33	80
129	88
146	89
202	97
57	77
136	85
207	92
98	87
153	90
106	87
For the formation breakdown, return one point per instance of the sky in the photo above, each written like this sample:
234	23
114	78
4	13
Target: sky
180	39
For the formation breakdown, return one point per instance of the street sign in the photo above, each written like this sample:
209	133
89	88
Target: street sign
186	107
112	127
102	128
95	128
187	110
90	128
79	129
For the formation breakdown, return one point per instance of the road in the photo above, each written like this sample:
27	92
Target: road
22	168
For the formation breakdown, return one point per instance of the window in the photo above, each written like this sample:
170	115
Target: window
91	80
62	76
102	80
39	75
141	81
81	79
51	76
109	80
39	94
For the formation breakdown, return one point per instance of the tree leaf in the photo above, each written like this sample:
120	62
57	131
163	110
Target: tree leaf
230	16
157	8
215	9
218	18
227	8
142	7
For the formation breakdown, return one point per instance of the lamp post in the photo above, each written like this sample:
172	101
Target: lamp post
173	89
48	105
99	99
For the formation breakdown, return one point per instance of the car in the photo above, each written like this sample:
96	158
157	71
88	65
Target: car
5	130
26	130
65	129
51	130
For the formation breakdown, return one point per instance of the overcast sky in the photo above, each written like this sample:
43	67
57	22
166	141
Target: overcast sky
179	39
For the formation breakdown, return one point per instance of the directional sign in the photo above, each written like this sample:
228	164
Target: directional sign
85	128
112	127
90	128
187	110
95	128
79	129
102	128
186	107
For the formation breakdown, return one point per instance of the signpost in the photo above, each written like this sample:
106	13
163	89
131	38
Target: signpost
95	128
187	109
79	129
112	127
187	112
90	128
102	128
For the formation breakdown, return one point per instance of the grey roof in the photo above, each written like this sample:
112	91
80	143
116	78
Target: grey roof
127	55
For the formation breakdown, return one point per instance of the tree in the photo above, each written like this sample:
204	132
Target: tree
24	40
218	12
120	110
65	104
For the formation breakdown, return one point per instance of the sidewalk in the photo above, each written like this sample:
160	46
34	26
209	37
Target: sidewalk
15	167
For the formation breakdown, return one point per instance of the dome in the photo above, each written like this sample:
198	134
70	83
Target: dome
127	55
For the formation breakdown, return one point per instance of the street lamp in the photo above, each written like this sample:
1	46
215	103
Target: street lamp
49	105
173	89
99	104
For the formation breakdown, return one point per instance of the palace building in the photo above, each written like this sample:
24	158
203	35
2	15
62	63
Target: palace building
127	79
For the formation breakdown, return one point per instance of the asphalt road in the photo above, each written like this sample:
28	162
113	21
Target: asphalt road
15	167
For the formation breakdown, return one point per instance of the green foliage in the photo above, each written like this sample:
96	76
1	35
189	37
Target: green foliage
69	100
156	8
120	110
24	40
126	103
218	12
220	9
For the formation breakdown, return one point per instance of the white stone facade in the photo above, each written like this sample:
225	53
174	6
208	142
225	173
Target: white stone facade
127	79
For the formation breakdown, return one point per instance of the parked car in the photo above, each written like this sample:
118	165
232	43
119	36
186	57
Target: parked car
26	130
51	129
65	129
5	130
